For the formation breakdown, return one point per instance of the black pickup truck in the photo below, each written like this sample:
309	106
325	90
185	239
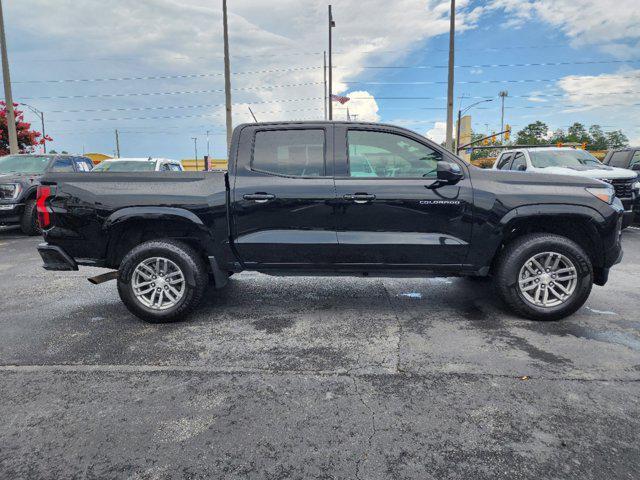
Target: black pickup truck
328	198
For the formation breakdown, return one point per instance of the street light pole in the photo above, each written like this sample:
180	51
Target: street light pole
195	146
227	76
452	31
8	97
331	25
503	94
465	110
40	113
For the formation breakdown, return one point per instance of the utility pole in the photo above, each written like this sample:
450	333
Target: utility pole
452	31
8	97
227	75
195	146
208	154
324	73
117	145
331	25
503	94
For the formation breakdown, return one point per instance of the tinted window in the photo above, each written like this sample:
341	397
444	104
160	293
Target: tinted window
83	164
175	167
518	162
635	160
619	159
503	163
23	163
298	153
388	155
125	166
63	165
562	158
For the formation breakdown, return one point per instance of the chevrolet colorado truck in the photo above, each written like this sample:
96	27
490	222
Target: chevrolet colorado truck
333	198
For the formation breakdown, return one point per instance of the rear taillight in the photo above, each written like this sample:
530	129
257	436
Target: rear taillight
44	217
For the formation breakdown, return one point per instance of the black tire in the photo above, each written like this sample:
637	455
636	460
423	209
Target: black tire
29	220
186	258
517	253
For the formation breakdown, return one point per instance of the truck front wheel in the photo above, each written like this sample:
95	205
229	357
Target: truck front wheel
162	280
544	276
29	220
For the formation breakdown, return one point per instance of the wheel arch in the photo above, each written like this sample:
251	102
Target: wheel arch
579	224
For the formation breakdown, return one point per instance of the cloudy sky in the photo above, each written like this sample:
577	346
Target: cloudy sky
153	68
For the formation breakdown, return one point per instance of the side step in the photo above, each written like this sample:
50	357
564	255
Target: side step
105	277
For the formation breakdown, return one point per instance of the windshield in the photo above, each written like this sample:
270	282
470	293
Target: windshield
124	166
23	164
562	158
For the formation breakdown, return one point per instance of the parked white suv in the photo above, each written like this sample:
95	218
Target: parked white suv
571	161
149	164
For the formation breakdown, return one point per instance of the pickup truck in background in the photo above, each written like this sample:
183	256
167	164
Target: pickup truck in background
334	198
572	161
19	179
628	157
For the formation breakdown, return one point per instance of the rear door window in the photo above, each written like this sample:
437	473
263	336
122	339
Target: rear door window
63	165
293	153
504	161
518	162
619	159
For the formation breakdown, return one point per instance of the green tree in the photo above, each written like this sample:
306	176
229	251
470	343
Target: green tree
559	136
577	133
598	139
617	139
533	134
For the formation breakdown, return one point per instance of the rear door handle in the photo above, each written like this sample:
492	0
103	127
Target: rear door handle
259	197
359	197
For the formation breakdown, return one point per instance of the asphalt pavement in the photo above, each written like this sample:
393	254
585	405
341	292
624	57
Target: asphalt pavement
327	378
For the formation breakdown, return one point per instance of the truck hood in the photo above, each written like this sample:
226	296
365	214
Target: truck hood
533	177
24	178
599	172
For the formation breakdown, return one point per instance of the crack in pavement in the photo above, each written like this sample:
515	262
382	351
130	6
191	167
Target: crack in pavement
349	373
399	324
372	416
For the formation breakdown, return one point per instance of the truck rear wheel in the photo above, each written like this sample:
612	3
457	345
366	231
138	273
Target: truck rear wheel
544	276
162	280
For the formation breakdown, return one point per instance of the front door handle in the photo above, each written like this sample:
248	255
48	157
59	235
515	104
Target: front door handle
259	197
359	197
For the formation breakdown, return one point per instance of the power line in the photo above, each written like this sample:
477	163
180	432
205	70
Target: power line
494	65
173	107
467	82
185	92
165	77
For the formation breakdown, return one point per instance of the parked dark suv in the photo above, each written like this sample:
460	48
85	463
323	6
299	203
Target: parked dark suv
628	157
19	179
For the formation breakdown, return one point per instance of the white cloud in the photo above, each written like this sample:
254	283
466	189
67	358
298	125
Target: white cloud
184	36
438	132
597	91
613	23
362	108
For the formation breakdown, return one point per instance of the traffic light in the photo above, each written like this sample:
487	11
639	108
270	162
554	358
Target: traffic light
485	141
507	133
584	145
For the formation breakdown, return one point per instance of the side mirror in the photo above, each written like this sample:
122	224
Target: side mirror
521	168
447	174
635	166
